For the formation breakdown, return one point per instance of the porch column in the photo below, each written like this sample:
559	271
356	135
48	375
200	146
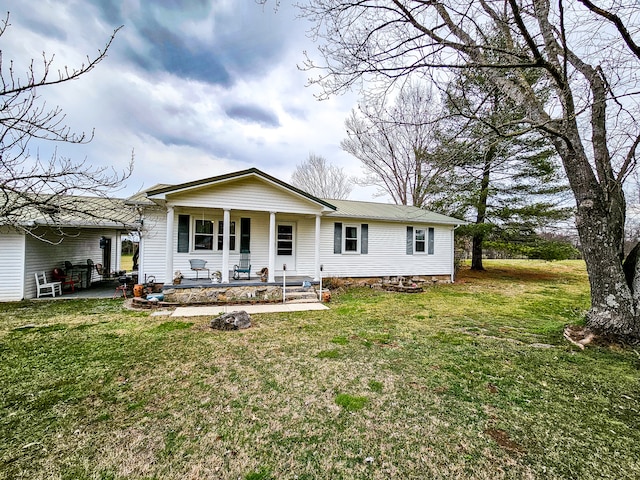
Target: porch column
317	249
272	247
226	230
168	272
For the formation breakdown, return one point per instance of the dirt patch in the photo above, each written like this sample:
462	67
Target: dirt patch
503	439
581	336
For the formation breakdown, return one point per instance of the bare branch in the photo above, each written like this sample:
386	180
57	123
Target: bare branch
35	192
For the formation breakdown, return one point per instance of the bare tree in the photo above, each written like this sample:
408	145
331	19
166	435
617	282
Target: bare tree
320	178
588	61
396	144
33	190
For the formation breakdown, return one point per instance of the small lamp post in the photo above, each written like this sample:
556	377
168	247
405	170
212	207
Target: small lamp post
284	283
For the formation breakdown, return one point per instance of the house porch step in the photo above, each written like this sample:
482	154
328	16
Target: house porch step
301	296
303	300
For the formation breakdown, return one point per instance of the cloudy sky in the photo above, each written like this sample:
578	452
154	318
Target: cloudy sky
195	88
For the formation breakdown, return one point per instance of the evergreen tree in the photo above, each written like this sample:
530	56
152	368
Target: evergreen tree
506	182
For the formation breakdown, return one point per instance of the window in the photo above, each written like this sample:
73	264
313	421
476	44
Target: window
232	235
203	238
420	241
351	238
285	240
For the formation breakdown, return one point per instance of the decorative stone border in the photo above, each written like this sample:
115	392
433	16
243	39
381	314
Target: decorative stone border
223	294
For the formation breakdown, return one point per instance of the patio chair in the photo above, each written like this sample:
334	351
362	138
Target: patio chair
47	288
101	272
78	273
243	267
90	267
198	266
59	275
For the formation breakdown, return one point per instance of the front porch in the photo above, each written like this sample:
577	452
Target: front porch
216	240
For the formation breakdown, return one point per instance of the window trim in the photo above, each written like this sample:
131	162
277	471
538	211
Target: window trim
216	236
196	234
412	240
358	238
423	241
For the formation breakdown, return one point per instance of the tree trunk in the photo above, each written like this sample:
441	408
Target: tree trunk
614	309
478	236
600	221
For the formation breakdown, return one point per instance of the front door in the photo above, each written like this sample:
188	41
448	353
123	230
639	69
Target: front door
286	246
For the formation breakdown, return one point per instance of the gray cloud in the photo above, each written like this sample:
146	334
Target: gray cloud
252	114
240	41
180	85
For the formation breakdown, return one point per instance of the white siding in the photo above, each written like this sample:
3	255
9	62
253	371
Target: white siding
245	194
387	252
153	246
387	247
76	247
12	246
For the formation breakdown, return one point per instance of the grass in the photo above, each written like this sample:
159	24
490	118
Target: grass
471	380
126	262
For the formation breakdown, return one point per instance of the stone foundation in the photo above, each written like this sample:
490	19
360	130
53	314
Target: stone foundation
223	294
420	280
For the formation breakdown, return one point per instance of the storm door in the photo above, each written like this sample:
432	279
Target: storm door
286	246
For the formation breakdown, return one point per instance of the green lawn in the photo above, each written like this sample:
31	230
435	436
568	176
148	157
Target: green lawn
126	262
472	380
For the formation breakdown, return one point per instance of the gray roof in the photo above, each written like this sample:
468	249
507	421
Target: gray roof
140	198
72	211
389	212
341	208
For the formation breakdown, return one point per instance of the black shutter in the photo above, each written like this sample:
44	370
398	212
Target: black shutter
245	235
183	233
409	240
337	237
364	242
431	241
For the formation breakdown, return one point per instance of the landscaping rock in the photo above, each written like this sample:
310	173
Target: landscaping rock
232	321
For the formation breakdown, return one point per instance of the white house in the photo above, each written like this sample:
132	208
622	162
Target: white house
41	242
217	218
